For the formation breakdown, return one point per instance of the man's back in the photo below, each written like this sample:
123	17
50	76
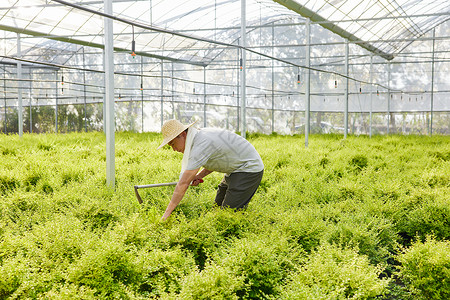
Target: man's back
223	151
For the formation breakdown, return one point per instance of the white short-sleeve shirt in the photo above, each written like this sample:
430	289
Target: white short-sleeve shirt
223	151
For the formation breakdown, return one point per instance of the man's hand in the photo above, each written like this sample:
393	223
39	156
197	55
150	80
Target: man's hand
199	177
196	181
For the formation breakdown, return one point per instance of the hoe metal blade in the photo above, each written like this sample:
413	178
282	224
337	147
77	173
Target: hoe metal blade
136	187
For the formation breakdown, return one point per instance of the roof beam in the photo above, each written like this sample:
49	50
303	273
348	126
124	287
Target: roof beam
90	44
28	65
314	17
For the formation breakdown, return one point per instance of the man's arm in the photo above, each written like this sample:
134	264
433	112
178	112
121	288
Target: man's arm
196	181
179	192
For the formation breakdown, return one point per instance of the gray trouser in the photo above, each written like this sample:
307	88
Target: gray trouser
236	189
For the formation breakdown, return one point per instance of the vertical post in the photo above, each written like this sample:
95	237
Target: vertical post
432	85
56	101
4	84
370	81
346	89
204	96
31	104
109	94
19	86
104	98
307	81
215	19
243	67
142	95
4	95
273	79
238	98
151	13
172	91
162	92
84	93
389	98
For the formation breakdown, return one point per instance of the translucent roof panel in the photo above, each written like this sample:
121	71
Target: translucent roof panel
204	20
193	31
392	25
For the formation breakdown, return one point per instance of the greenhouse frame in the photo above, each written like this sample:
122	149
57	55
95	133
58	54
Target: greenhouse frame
284	66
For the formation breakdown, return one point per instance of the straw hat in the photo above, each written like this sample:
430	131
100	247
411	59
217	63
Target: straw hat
171	129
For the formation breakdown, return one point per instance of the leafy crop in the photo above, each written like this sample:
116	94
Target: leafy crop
426	269
335	273
343	219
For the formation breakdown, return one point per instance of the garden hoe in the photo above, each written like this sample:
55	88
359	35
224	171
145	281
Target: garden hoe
136	187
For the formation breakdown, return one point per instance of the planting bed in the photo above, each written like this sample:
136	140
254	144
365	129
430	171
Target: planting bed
343	219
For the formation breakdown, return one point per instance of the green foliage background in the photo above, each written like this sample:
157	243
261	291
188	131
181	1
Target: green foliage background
343	219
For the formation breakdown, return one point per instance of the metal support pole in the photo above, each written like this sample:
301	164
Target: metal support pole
432	86
238	98
151	13
204	96
84	93
370	80
31	104
273	80
56	101
109	94
243	68
172	91
162	93
346	89
389	99
19	86
307	81
142	95
4	95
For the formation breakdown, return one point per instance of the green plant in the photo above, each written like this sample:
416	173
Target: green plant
421	214
425	269
106	269
261	264
332	272
162	272
359	162
8	183
214	282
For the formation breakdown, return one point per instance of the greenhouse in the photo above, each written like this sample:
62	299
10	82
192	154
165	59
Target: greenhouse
346	102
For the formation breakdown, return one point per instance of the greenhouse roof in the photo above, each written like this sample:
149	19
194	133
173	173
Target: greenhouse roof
180	31
384	27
